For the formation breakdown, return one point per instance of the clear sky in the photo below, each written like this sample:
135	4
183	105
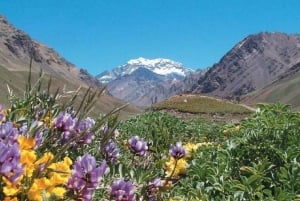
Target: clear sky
99	35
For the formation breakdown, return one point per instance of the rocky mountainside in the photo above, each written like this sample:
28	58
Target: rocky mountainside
17	48
252	64
145	81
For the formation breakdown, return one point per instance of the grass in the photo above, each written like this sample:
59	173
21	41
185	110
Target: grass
200	104
16	80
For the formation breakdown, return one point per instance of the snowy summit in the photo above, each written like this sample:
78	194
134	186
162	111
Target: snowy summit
159	66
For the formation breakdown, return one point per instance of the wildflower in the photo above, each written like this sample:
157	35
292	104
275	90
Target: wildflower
2	114
8	134
84	128
105	129
65	123
138	146
175	167
28	155
111	151
10	199
86	176
52	184
167	184
177	151
190	148
60	171
122	190
153	187
10	166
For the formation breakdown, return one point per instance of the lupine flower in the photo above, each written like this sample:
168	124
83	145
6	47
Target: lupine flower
122	190
153	187
111	151
106	130
65	123
8	134
39	138
177	151
138	146
2	116
10	165
86	177
84	128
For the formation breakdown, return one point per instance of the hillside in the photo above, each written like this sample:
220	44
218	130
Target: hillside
284	90
190	105
255	62
16	50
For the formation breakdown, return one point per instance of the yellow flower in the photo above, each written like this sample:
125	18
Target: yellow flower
190	148
48	120
39	187
59	192
10	199
11	189
238	127
26	142
45	159
176	199
28	155
28	158
60	171
44	186
174	169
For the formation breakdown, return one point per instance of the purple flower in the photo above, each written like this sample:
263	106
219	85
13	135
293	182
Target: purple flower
10	165
86	176
177	151
1	113
65	123
84	128
138	146
8	134
111	151
105	129
38	138
122	190
23	129
153	187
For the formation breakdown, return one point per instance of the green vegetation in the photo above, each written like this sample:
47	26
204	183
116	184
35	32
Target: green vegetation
52	150
200	104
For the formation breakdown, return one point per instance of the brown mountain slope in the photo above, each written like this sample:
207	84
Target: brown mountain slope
252	64
16	51
284	90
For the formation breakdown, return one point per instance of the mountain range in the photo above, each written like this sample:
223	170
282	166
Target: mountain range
252	64
18	50
143	82
263	67
248	72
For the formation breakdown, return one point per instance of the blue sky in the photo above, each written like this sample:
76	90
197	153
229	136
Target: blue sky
99	35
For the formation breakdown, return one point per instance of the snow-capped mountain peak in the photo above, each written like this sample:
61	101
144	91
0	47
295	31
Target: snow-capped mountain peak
160	66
